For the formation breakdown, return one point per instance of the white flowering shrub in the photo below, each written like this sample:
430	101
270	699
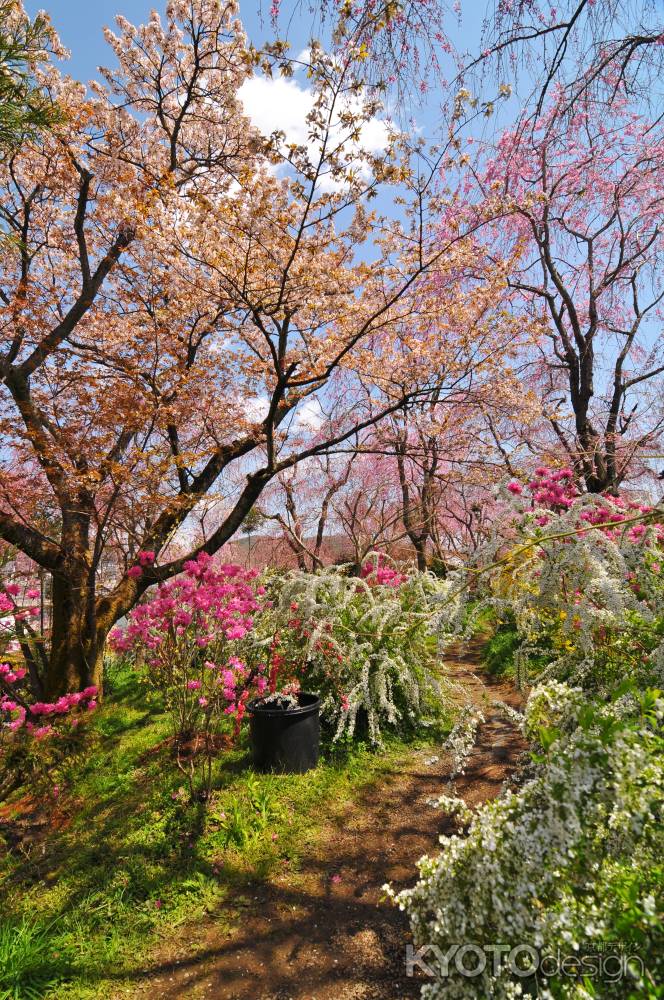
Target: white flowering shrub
582	581
461	740
570	862
364	645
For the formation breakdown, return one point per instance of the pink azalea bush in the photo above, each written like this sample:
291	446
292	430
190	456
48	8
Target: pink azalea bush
37	738
17	612
377	572
194	636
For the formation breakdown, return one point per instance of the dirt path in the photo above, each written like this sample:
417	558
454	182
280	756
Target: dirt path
328	934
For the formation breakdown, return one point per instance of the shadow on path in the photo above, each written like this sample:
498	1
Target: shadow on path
327	933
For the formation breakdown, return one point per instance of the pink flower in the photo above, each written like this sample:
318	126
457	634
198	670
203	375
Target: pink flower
193	685
515	488
203	702
12	589
33	593
146	558
336	879
134	572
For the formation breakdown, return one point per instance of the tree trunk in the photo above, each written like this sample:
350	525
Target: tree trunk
420	552
77	638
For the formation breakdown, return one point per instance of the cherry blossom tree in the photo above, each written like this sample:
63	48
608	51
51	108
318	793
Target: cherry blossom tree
302	505
178	290
589	47
585	194
593	50
368	512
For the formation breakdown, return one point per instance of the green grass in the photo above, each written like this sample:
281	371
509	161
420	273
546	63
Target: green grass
134	861
498	653
31	963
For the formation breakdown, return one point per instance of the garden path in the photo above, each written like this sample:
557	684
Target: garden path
328	933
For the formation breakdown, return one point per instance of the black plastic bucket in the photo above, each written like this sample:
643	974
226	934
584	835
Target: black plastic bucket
286	741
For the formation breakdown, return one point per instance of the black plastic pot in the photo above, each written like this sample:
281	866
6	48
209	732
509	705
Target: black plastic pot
285	740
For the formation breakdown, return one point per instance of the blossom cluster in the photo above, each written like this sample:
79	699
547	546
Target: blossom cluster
379	573
209	601
556	491
15	610
39	719
189	631
461	739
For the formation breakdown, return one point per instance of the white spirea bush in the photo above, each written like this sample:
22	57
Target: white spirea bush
538	867
460	742
575	597
369	650
572	859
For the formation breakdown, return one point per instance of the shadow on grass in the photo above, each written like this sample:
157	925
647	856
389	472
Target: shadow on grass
130	845
313	926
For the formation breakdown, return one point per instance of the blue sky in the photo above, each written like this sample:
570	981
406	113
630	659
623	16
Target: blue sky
80	24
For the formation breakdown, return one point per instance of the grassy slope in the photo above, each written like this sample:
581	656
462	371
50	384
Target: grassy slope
128	861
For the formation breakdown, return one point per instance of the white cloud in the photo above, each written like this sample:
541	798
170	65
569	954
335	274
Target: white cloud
277	104
282	104
309	416
256	408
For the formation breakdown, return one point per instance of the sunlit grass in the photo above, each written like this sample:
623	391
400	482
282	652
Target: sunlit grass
134	860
